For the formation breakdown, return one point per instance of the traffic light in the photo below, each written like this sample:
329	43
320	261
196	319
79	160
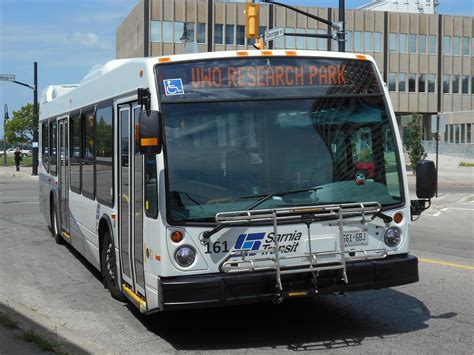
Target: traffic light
252	23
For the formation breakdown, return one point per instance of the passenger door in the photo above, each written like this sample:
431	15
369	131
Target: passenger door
130	199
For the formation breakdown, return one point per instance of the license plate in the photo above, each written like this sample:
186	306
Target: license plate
359	237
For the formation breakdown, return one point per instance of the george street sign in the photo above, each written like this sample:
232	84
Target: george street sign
7	77
276	32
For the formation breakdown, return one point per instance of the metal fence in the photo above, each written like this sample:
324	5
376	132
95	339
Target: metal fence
460	150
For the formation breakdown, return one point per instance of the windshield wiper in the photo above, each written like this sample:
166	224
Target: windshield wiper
264	197
267	196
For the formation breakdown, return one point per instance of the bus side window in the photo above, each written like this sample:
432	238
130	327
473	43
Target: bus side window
44	145
52	147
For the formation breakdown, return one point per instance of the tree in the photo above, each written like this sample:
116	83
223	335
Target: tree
416	152
19	129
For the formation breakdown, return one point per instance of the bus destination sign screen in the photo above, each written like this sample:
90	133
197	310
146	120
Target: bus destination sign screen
265	77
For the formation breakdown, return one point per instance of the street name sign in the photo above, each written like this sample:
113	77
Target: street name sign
7	77
276	32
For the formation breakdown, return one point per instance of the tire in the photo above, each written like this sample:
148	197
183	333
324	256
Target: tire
109	267
55	225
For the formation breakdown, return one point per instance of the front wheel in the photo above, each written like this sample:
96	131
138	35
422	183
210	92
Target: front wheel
109	268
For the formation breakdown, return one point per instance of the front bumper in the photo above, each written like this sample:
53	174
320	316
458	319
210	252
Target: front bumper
216	290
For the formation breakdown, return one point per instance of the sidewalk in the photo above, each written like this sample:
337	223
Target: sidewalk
25	171
449	171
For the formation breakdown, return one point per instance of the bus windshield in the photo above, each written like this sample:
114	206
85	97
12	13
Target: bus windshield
232	155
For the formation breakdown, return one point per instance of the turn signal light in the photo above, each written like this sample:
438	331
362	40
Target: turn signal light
398	218
176	236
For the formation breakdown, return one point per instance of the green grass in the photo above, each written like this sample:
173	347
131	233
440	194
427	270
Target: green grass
30	336
465	163
7	321
26	162
43	343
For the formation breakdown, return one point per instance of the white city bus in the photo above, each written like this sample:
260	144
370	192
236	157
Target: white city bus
225	178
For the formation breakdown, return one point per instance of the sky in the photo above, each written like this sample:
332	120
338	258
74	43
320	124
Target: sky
68	37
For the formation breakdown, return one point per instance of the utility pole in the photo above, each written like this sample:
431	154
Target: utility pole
35	120
341	34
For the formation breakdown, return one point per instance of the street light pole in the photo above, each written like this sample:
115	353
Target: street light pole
35	121
5	119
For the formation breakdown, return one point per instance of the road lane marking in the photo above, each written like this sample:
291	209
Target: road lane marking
437	214
445	263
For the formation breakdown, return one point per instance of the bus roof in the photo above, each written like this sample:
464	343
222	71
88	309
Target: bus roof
123	76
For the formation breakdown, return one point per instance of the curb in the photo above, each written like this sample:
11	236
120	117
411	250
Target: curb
29	319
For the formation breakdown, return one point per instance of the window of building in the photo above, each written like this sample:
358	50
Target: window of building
357	41
472	85
392	81
104	155
446	45
167	33
178	31
469	133
87	164
240	35
431	82
290	40
412	43
403	43
311	41
455	79
218	33
44	145
156	31
432	44
463	132
421	82
378	42
348	41
457	132
451	133
446	83
367	41
279	43
53	131
229	34
300	41
393	42
75	153
402	82
456	46
201	33
465	46
321	42
422	44
465	84
411	82
191	30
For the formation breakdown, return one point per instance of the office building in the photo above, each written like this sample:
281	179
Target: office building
425	59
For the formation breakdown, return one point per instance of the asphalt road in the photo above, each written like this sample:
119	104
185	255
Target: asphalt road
435	315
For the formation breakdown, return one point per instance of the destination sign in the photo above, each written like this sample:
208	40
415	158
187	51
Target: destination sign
262	77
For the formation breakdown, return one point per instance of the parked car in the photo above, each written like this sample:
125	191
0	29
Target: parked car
11	152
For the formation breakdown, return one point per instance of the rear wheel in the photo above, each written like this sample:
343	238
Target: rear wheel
109	267
55	225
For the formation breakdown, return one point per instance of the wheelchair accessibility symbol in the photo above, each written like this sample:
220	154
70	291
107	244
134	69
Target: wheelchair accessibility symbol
173	87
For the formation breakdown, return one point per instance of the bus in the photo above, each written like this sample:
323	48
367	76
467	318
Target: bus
215	179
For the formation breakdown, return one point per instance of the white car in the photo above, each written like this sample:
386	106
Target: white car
11	152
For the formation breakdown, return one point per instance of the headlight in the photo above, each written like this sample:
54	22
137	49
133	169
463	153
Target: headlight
392	236
185	255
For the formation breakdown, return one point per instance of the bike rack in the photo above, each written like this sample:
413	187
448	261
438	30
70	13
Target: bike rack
357	212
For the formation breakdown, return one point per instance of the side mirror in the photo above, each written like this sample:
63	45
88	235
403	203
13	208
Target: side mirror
425	179
149	137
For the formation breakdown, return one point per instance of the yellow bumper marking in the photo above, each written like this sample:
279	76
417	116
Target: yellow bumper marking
139	302
445	263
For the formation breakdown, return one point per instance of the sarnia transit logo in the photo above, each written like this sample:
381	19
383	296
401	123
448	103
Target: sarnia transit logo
250	241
